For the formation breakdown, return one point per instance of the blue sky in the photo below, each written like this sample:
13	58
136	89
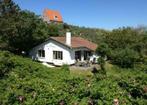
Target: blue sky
107	14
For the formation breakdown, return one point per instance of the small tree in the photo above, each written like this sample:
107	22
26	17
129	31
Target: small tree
103	50
102	63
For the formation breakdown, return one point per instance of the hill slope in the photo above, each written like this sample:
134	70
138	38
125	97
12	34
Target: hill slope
21	78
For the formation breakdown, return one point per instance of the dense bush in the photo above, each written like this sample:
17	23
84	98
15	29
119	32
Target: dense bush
124	47
6	64
103	49
124	57
29	82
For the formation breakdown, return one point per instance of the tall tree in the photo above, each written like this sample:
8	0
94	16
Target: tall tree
8	13
20	30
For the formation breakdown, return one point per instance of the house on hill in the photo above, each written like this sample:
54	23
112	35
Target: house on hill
64	50
52	16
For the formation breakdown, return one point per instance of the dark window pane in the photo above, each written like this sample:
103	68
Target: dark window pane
58	55
41	53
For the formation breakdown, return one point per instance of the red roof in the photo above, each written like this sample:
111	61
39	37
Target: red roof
77	42
52	15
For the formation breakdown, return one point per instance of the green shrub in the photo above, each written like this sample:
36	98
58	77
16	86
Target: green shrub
124	58
99	74
103	49
101	62
6	63
65	68
12	98
40	85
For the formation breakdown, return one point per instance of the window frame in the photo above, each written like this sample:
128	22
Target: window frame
55	17
41	53
58	55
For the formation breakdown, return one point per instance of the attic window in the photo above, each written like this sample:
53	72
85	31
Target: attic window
41	53
56	17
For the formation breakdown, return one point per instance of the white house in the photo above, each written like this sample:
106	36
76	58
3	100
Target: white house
64	50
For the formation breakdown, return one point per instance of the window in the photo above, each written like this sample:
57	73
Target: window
58	55
41	53
56	17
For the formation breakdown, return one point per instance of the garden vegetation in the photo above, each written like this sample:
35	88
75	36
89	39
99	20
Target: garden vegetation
24	81
123	64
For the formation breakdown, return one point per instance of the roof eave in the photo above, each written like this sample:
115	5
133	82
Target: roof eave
61	43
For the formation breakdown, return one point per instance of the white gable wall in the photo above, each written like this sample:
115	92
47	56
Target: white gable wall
49	47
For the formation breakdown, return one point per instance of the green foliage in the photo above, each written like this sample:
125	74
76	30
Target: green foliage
101	62
124	47
8	7
12	98
92	34
6	63
99	74
39	85
103	49
124	58
54	29
122	38
22	27
65	68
